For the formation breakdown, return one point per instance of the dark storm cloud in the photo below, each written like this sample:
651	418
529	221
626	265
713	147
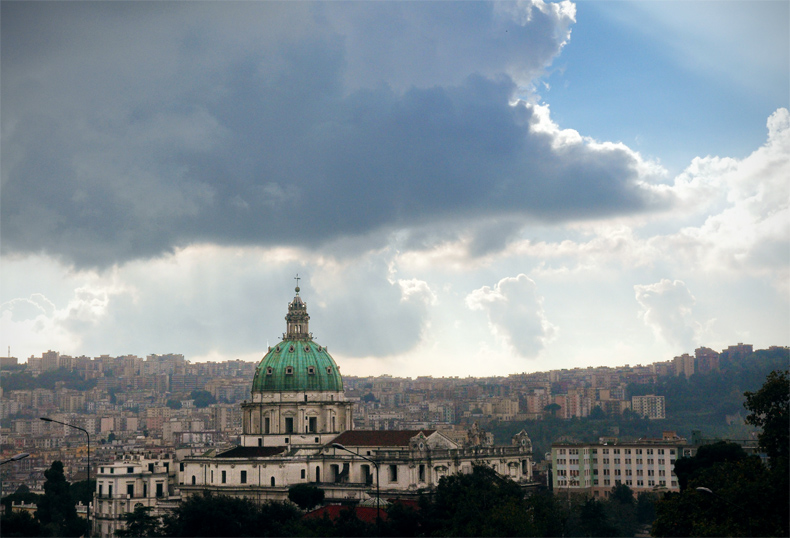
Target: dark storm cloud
169	129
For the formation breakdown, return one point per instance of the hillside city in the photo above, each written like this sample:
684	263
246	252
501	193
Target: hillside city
166	404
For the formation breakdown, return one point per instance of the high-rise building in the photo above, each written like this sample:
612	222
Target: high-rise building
649	406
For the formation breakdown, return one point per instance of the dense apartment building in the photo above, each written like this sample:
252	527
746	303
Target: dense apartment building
595	468
649	406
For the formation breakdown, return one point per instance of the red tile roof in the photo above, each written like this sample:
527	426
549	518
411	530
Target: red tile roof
381	438
332	511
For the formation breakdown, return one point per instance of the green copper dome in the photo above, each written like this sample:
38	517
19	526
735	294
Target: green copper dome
297	363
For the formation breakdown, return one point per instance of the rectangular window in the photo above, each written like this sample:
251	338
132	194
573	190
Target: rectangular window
289	425
129	470
393	473
224	476
313	421
159	489
266	425
130	490
304	473
101	487
109	490
422	473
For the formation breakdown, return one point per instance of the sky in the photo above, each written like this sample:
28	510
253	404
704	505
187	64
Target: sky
470	188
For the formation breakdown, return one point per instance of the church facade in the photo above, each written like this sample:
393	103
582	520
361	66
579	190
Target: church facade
298	428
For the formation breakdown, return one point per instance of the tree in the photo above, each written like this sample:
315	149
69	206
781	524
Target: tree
21	495
20	524
770	410
593	520
221	515
481	503
56	509
173	404
622	494
140	522
707	456
203	398
306	496
553	408
82	491
724	491
597	413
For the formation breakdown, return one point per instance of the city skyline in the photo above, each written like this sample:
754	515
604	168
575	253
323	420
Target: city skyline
464	188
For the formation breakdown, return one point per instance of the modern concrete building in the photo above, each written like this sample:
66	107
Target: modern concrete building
649	406
298	428
595	468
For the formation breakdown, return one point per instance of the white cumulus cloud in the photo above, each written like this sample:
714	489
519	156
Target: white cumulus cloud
666	309
515	314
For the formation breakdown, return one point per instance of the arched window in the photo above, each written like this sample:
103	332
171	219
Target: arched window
272	481
194	479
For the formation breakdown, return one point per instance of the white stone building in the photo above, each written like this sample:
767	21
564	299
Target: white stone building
145	479
298	428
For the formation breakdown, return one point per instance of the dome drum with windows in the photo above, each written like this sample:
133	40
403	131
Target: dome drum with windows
297	392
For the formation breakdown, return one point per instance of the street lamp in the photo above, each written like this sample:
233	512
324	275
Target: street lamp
15	457
740	509
378	491
83	430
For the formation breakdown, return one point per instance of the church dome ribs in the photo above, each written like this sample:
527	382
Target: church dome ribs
297	363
